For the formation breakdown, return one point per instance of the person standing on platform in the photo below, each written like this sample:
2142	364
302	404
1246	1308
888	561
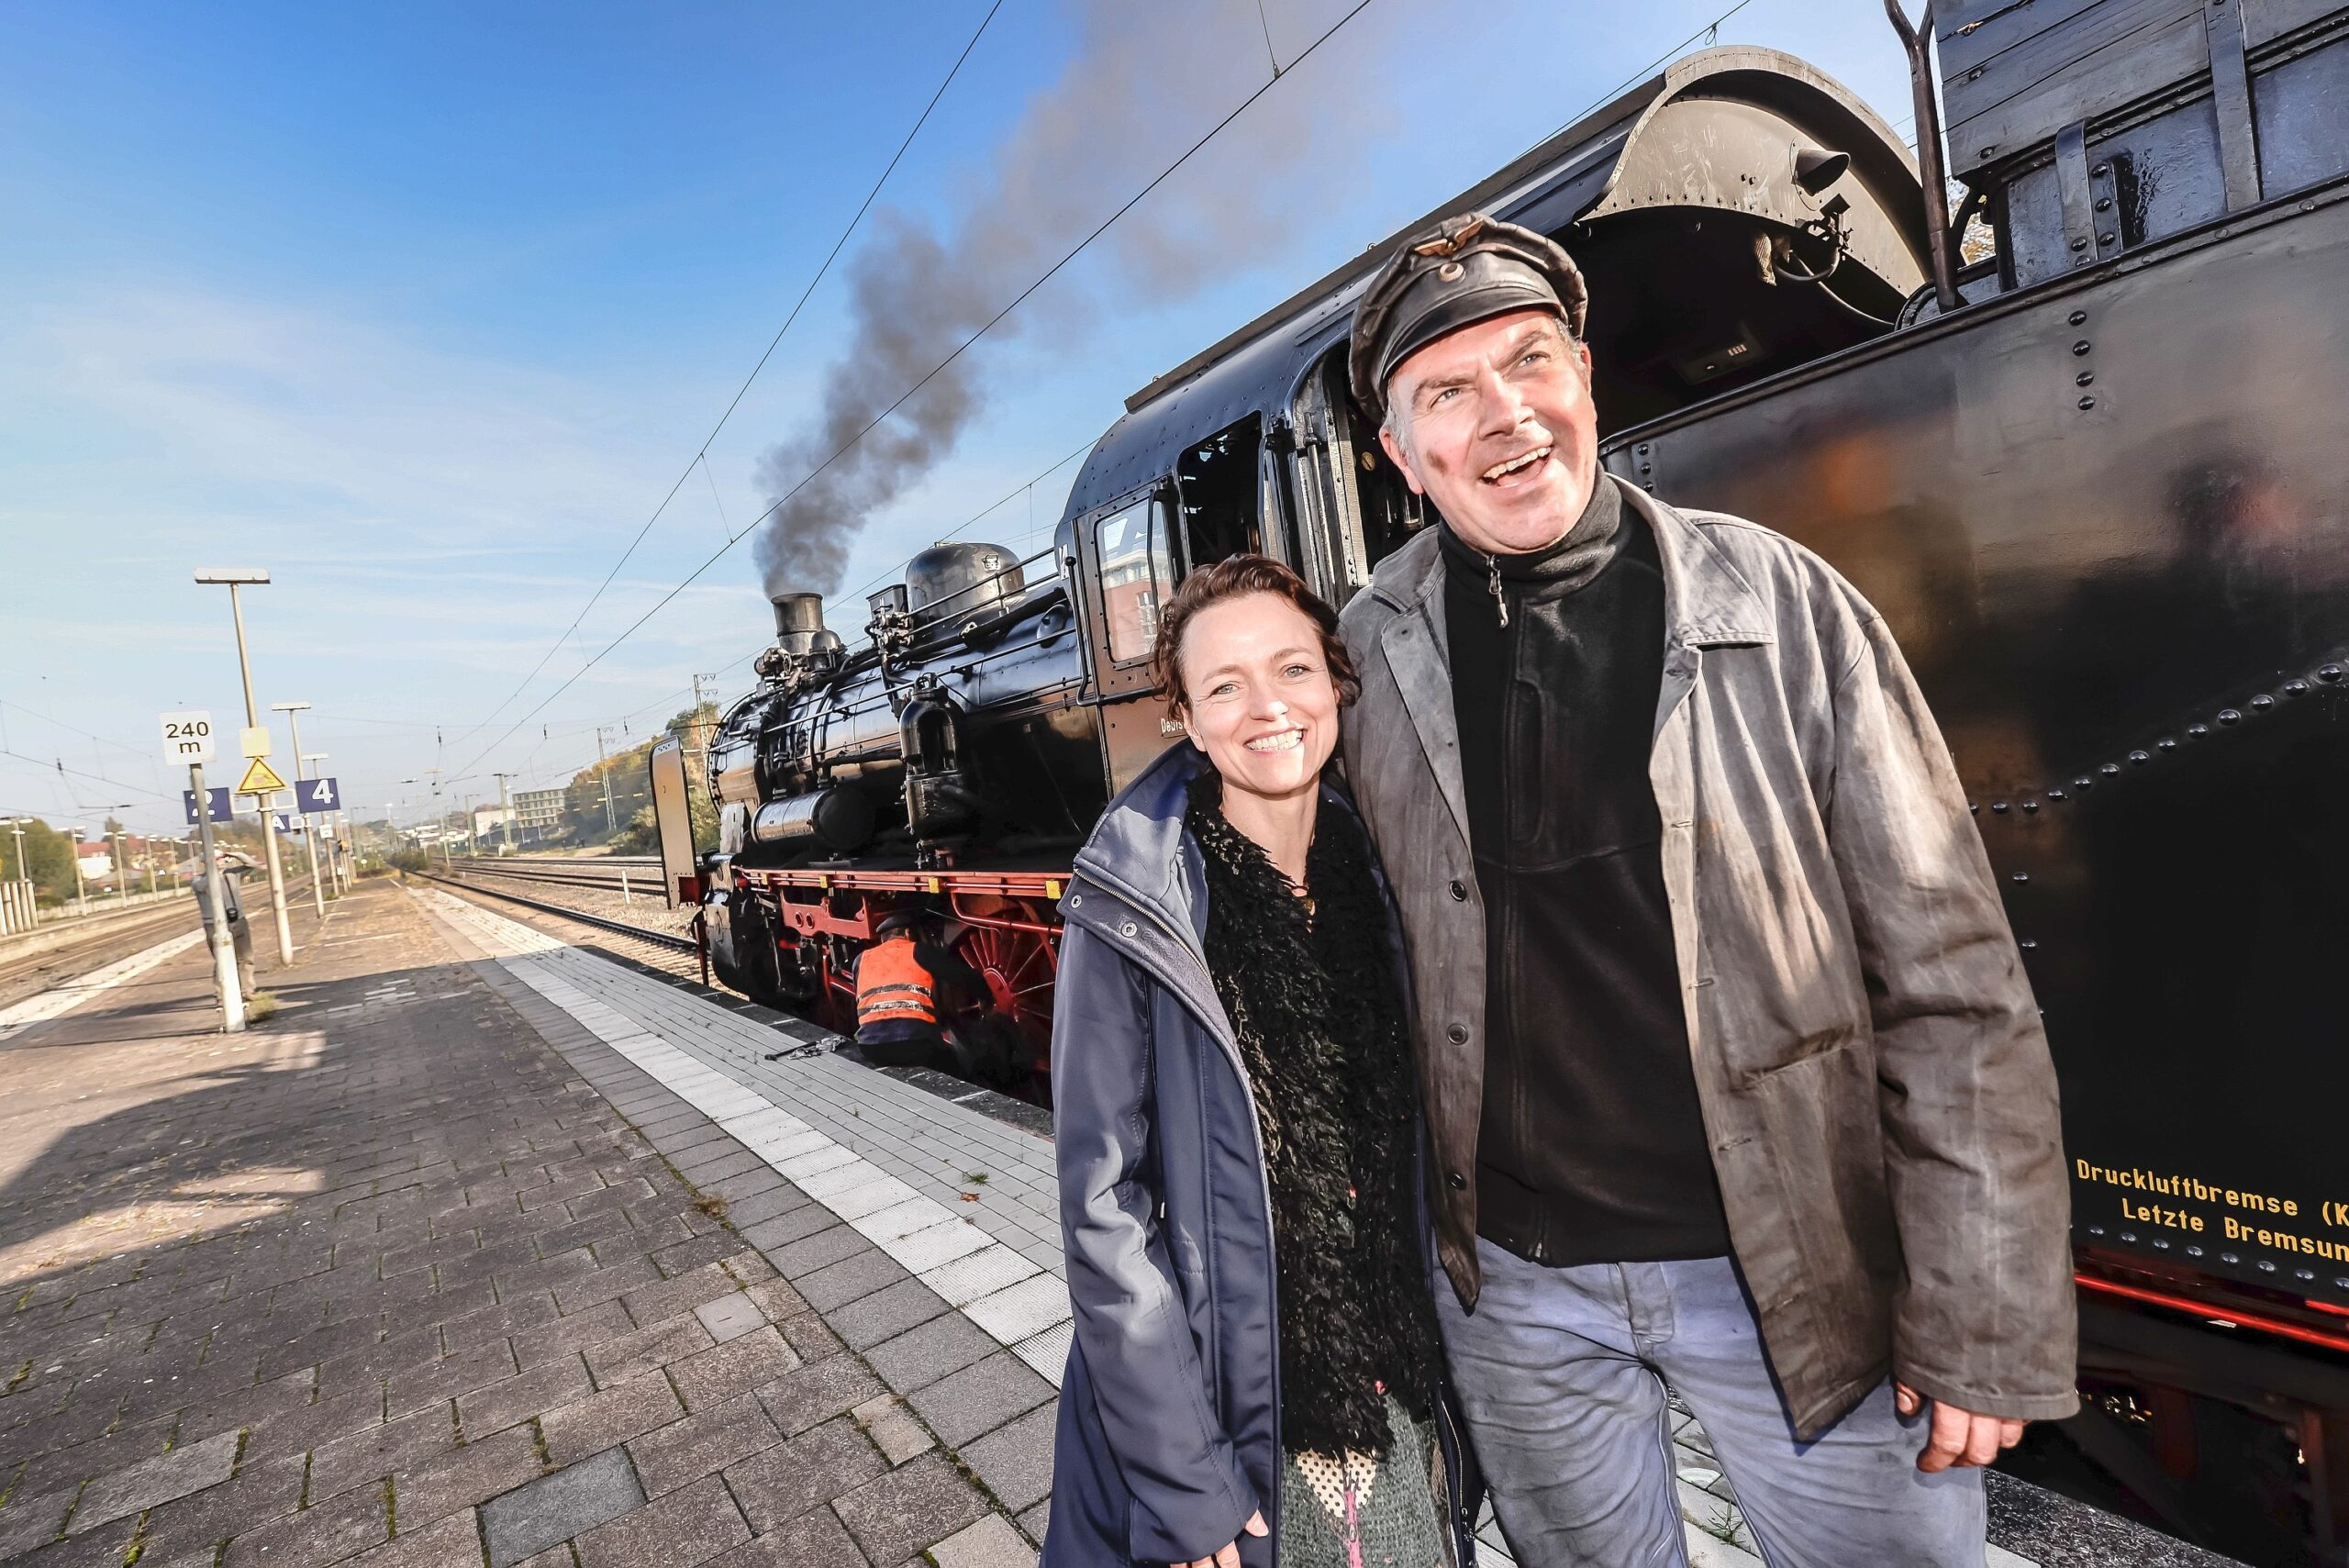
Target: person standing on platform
1733	1074
1254	1376
240	934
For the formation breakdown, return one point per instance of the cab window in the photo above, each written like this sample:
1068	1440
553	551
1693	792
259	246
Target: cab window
1221	493
1136	575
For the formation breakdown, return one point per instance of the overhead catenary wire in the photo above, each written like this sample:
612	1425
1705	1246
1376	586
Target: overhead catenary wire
701	455
87	735
935	370
57	763
984	512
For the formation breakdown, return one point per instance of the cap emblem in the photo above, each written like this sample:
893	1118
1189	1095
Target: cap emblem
1452	242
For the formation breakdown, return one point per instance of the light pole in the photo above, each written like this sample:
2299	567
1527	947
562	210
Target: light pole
23	877
293	712
16	825
506	808
233	578
81	890
440	822
119	837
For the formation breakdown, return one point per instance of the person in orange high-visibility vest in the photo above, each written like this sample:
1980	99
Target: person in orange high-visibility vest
905	985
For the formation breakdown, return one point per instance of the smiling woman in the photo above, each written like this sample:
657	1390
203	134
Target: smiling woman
1261	1025
1249	662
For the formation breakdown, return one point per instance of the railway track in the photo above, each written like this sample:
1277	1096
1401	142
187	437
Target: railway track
27	972
485	866
639	874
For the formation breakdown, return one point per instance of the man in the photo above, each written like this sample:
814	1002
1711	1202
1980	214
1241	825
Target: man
240	934
1732	1073
900	1014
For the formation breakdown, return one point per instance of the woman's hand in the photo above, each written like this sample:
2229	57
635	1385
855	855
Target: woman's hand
1229	1556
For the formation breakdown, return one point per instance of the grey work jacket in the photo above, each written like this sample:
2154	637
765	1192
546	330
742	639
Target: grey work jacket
1875	1084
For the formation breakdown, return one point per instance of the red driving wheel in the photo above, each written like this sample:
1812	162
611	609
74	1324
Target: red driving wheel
1020	967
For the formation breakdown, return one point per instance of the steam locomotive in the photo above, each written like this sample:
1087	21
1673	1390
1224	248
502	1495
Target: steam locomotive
2081	441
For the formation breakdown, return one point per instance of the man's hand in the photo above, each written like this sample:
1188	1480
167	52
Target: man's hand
1959	1437
1229	1556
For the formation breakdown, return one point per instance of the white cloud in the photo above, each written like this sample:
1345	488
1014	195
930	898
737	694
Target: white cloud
398	445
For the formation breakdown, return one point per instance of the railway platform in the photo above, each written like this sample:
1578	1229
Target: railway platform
505	1243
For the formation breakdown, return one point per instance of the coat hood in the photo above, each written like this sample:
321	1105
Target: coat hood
1138	848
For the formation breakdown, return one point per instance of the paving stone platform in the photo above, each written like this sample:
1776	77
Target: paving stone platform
424	1273
861	1141
492	1249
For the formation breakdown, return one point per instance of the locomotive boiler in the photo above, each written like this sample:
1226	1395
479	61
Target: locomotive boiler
2078	434
947	759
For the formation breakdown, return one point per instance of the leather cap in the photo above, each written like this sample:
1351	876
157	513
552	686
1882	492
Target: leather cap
1464	270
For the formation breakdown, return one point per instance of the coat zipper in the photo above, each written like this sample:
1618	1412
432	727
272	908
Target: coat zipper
1462	1528
1264	1178
1493	565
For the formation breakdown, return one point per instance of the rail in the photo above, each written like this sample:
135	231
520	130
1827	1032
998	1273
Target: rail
614	874
643	934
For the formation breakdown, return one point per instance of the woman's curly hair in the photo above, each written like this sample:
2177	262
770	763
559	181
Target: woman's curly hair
1235	577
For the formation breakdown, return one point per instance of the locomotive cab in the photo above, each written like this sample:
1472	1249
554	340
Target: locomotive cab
1736	216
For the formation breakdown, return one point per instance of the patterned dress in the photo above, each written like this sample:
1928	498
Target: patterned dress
1361	1511
1306	976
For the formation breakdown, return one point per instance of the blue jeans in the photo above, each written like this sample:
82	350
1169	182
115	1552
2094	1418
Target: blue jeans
1560	1373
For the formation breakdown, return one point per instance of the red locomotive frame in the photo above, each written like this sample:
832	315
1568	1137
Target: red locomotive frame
1007	928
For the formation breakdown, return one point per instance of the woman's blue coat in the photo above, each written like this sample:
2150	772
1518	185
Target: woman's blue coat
1169	1427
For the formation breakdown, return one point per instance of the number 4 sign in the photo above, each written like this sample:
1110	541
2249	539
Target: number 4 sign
317	795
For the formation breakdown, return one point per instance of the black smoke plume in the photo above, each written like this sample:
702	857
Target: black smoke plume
1144	82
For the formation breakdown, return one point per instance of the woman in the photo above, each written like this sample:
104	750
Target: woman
1255	1376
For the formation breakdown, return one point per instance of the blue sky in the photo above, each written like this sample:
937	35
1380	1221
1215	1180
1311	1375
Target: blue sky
426	307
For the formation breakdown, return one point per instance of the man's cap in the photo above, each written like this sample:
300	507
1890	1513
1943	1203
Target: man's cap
905	916
1464	270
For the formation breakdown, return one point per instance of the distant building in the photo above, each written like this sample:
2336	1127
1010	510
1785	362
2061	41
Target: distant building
97	860
537	812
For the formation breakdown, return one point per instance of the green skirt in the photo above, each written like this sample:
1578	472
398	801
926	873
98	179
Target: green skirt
1385	1507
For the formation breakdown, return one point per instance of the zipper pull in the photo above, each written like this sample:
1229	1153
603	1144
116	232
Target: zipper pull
1493	565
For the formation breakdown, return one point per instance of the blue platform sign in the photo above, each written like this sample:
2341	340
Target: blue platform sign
220	801
317	795
287	822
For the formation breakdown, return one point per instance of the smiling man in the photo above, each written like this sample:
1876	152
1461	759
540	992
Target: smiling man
1733	1077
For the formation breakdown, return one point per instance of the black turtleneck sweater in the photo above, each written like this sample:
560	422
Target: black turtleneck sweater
1592	1149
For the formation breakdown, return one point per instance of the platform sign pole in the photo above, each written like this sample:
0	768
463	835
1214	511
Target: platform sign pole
293	712
187	737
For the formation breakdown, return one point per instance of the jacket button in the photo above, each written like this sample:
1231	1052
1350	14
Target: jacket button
1127	930
1457	1034
1459	1182
1460	892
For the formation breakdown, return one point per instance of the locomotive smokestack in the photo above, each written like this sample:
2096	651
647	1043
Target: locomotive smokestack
796	616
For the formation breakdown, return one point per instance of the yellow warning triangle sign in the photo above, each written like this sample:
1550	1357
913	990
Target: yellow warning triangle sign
260	779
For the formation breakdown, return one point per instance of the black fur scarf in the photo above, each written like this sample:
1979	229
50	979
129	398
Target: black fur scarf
1314	1000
